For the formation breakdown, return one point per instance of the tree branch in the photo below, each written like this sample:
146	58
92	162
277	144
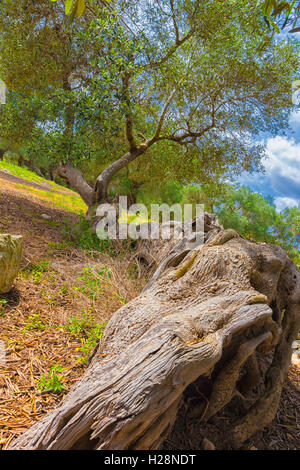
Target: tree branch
189	136
76	179
174	22
163	115
128	114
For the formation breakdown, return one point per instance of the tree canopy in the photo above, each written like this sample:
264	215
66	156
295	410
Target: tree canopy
163	91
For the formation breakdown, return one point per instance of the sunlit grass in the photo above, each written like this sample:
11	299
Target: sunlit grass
25	173
70	202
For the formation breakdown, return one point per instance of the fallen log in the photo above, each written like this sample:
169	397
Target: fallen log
222	315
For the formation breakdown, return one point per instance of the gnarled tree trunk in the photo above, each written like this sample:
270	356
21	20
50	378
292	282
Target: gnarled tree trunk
221	315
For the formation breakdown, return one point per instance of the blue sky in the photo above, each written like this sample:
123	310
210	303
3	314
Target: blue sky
282	165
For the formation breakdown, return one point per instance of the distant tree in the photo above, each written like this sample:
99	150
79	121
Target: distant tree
251	214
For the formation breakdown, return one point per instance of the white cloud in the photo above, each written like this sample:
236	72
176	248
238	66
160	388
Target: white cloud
284	202
295	124
283	158
295	117
283	167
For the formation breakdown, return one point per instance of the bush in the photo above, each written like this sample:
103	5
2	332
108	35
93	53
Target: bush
82	235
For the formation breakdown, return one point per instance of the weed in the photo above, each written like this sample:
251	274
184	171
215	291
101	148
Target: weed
80	324
53	381
86	328
64	289
34	323
49	297
89	343
92	284
82	235
3	303
37	270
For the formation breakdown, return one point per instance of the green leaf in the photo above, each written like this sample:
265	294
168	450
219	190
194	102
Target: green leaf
265	7
275	26
73	12
68	6
80	7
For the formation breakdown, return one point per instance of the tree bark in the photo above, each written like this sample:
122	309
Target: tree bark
76	179
103	180
209	312
30	165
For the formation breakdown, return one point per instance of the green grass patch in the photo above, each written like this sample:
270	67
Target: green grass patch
68	202
25	173
82	235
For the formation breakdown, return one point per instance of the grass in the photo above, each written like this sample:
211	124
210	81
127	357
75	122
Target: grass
69	202
25	173
81	235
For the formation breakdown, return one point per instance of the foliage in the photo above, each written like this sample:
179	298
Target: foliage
192	79
89	343
36	270
92	281
80	324
285	13
86	328
34	322
73	7
53	381
82	235
251	214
